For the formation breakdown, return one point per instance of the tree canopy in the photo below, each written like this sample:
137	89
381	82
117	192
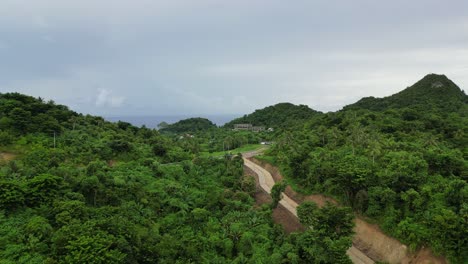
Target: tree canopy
401	160
281	115
101	192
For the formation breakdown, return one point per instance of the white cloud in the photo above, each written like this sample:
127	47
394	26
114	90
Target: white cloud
225	56
106	98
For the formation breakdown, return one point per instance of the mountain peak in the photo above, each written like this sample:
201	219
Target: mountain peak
433	80
433	90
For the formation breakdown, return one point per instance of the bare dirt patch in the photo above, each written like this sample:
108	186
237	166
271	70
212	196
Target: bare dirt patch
289	222
280	214
6	156
370	239
425	256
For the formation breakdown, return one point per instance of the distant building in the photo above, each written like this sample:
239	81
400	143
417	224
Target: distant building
243	127
186	136
248	127
258	128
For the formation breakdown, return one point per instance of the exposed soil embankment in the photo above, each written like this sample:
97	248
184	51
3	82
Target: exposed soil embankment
6	156
369	238
280	215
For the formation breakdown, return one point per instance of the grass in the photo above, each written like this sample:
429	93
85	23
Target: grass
245	148
268	159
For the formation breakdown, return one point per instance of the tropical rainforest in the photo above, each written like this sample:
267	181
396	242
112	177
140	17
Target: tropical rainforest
78	189
401	161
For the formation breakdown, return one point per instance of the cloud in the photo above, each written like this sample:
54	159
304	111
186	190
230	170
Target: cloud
106	98
209	56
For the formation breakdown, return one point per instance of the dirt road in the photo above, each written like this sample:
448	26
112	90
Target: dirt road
266	183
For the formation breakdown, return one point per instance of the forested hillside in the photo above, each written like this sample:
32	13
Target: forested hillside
78	189
281	115
433	91
400	160
189	125
83	190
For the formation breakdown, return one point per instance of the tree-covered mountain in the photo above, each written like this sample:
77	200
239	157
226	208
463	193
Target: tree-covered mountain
189	125
400	160
101	192
21	114
281	115
432	91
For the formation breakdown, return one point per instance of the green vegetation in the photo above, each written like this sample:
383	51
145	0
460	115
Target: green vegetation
190	125
433	90
282	115
267	158
334	225
85	190
244	148
401	160
201	137
276	193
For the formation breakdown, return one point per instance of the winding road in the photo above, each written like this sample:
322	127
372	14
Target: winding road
266	182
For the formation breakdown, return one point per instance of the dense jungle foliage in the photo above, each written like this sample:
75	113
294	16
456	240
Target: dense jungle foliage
82	190
401	160
282	115
189	125
78	189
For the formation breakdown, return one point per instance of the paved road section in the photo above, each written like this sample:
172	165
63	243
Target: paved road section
266	182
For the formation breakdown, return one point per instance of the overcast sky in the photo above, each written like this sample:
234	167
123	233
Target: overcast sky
150	57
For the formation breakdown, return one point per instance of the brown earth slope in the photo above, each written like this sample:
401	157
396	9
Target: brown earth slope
280	215
266	182
369	238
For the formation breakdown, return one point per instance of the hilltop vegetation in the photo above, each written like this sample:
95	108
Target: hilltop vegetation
433	91
190	125
281	115
114	193
401	160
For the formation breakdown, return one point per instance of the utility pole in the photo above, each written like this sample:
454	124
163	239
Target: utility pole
54	139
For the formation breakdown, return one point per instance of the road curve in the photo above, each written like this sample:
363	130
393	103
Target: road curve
266	182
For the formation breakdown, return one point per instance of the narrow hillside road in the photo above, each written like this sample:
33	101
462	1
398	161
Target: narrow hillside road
267	182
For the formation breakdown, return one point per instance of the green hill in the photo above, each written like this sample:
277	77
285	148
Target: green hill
433	91
21	114
277	116
399	160
189	125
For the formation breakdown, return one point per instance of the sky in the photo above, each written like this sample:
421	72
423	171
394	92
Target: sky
150	57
